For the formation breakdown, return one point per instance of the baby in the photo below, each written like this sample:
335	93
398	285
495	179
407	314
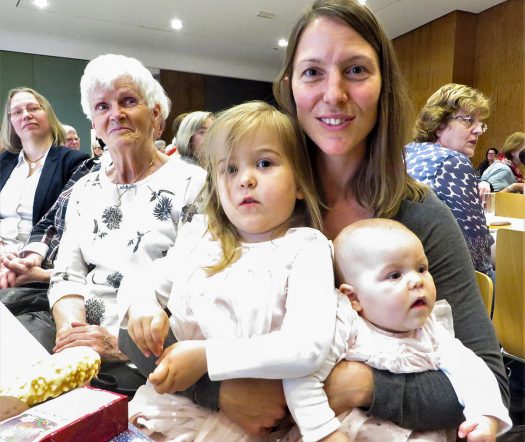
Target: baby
382	269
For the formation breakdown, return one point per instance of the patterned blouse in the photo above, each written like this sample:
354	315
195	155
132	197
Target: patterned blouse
452	178
112	230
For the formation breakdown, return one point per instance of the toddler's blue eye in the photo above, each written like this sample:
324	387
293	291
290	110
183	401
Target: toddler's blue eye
264	163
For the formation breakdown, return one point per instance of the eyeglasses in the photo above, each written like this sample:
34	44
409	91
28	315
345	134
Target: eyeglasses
31	110
471	121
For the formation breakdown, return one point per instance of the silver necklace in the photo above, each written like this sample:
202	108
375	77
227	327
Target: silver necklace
130	186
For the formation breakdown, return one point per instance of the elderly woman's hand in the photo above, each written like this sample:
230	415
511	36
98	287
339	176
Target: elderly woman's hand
94	336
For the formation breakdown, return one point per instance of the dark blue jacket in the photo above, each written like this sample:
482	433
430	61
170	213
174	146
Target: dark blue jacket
60	164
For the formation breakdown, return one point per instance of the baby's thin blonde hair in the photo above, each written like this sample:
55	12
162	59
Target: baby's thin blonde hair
229	129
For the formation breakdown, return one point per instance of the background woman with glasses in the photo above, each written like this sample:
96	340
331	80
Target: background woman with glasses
445	134
34	165
504	174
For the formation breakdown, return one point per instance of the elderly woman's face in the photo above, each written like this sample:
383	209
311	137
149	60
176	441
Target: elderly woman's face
336	84
28	118
458	135
121	116
197	138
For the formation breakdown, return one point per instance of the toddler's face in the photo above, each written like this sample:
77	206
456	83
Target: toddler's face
257	188
394	289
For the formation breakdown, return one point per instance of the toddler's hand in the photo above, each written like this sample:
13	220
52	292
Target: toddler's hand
180	366
482	430
148	326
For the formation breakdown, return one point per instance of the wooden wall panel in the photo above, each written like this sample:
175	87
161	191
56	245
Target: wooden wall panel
499	71
186	91
426	59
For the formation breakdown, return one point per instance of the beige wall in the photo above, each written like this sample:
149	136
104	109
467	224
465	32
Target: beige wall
485	50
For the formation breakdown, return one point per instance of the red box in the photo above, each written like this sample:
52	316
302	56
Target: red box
82	415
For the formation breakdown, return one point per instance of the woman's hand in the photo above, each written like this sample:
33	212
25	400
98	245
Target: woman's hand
483	189
349	385
94	336
256	405
17	271
514	188
179	367
148	326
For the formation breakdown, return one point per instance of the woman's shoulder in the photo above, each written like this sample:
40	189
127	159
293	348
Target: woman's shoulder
433	152
8	156
426	212
71	154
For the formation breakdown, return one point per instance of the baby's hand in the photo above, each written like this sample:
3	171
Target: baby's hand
148	326
336	436
482	430
180	366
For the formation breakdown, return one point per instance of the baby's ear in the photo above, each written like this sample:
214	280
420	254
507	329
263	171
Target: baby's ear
350	292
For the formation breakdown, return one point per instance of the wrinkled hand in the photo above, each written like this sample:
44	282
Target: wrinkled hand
349	385
180	366
94	336
256	405
484	430
16	271
148	326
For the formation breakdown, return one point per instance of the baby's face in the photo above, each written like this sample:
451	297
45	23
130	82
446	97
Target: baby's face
395	291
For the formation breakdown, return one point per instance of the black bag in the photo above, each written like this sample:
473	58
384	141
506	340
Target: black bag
26	299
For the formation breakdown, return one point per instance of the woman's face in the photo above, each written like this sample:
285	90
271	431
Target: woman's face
336	83
491	155
120	115
458	135
197	139
28	118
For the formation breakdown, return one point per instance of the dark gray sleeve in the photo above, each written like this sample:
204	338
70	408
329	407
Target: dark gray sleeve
204	392
426	401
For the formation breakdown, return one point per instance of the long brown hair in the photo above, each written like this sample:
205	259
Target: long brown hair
227	131
382	182
10	141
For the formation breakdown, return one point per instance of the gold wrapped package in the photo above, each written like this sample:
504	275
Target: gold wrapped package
52	376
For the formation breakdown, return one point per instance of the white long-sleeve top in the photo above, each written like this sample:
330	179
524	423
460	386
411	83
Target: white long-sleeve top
114	230
269	315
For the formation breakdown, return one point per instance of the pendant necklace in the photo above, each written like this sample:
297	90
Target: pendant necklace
32	164
130	186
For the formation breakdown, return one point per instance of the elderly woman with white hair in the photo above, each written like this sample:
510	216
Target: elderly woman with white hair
123	216
190	135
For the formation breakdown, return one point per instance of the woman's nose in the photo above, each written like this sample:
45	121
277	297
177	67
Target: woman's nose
115	112
477	128
335	92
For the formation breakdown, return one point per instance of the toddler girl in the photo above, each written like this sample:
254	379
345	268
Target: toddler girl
253	293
